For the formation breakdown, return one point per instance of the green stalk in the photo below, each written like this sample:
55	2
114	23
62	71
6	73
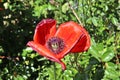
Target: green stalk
54	71
75	14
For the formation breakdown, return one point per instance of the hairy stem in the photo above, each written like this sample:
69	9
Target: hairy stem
75	14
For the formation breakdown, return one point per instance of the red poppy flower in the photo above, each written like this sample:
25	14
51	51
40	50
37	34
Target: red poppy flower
55	44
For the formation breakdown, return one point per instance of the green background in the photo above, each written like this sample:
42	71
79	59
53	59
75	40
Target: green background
18	19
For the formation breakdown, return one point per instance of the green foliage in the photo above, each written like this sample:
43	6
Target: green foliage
104	54
17	23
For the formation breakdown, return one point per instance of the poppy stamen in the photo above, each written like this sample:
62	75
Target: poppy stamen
55	44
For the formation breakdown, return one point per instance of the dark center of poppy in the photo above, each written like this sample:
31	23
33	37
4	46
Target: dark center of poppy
55	44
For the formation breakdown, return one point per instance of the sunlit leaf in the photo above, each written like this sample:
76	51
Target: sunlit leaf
111	72
94	21
108	55
89	20
114	20
65	7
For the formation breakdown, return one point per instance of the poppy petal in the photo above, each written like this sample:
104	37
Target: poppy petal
70	33
84	42
45	29
42	50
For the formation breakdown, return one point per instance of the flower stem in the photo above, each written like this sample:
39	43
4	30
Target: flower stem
75	14
54	71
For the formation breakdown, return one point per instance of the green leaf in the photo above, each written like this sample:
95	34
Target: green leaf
94	52
50	7
94	21
65	7
81	76
19	78
77	76
89	20
26	51
51	73
0	78
108	55
99	73
0	61
118	26
110	39
114	21
93	61
102	28
96	49
111	71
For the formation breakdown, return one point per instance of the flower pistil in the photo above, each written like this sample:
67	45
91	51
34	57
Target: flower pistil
55	44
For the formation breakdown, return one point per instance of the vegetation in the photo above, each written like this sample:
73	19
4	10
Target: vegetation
18	19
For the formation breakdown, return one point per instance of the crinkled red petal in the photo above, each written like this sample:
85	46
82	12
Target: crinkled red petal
44	30
42	50
70	33
83	43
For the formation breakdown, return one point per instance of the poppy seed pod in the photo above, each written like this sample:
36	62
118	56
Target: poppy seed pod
54	43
